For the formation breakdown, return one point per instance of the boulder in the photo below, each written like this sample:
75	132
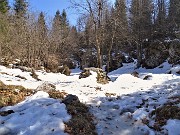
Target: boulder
5	113
147	77
85	73
155	55
70	99
64	70
46	87
102	77
174	52
135	74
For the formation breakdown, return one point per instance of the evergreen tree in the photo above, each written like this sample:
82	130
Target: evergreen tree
56	26
20	7
43	39
174	17
140	20
42	28
120	20
160	23
64	21
4	6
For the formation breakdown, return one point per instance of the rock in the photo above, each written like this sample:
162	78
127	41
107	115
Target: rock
116	107
174	52
102	77
46	87
135	74
147	77
85	73
5	113
154	56
125	110
70	99
64	70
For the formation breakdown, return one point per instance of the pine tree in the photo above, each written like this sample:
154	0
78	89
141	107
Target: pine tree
120	20
141	23
4	6
43	40
42	28
56	26
64	18
160	22
174	17
20	7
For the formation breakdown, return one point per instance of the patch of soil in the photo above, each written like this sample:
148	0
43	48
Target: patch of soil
81	122
12	94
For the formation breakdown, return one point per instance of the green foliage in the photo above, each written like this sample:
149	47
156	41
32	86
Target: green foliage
20	7
4	6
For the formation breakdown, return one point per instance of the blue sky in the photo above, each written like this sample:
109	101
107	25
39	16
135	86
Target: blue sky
49	7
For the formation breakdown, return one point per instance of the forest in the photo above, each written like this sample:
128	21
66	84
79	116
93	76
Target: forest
143	31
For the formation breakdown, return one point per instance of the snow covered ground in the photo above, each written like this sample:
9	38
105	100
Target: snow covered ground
119	107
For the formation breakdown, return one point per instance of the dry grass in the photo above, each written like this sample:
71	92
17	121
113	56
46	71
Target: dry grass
164	113
81	122
11	94
57	94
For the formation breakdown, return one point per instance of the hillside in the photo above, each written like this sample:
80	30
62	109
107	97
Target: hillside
146	103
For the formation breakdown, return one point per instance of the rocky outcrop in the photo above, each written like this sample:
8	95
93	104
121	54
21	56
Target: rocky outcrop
85	73
174	52
46	87
102	77
70	99
135	74
155	54
64	70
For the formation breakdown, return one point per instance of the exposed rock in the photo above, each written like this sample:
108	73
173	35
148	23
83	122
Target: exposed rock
147	77
85	73
125	110
21	77
70	99
101	75
46	87
34	75
154	55
64	70
174	52
135	74
5	113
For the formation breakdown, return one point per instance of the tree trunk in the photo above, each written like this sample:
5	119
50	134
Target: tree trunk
139	55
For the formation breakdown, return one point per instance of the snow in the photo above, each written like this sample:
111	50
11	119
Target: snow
173	127
37	115
121	113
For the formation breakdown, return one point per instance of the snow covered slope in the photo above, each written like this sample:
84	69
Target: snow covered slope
119	107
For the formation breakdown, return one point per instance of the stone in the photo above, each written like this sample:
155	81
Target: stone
46	87
147	77
5	113
135	74
84	74
102	77
64	70
70	99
